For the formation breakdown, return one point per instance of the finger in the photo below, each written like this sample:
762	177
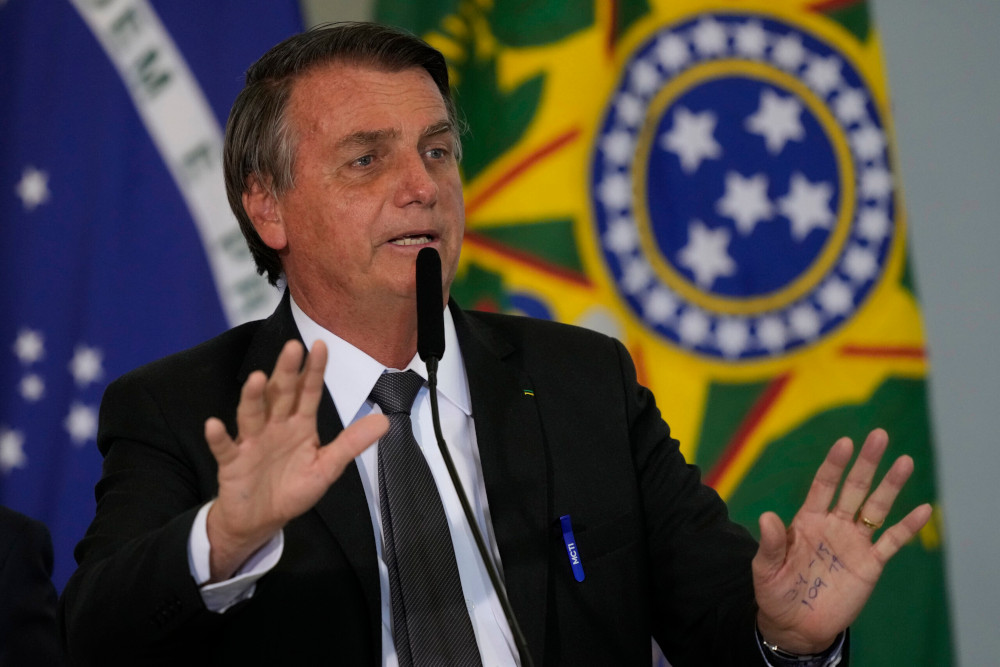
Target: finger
351	442
827	479
283	387
893	539
773	546
859	479
876	508
312	380
251	413
223	448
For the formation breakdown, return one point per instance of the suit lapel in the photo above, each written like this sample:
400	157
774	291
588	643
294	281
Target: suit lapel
511	449
343	508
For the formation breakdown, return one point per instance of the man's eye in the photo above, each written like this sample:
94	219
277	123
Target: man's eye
364	160
436	153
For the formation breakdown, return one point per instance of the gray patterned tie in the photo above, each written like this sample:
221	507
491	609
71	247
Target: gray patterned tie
430	621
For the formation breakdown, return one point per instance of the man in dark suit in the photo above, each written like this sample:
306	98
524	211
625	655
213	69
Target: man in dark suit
28	631
268	545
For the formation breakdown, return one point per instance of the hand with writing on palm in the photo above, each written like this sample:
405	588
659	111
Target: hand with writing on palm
812	580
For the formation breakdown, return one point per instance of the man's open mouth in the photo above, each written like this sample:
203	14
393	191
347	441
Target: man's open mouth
412	240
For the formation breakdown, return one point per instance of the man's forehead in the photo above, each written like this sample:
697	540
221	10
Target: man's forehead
355	90
355	77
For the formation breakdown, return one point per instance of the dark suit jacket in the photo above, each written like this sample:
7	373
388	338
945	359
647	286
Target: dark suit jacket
28	631
659	553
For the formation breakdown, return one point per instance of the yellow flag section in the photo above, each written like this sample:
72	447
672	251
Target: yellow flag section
712	183
549	173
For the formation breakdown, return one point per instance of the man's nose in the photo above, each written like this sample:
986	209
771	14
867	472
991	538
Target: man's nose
415	185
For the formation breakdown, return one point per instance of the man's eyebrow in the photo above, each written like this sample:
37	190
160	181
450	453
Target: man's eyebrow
366	137
363	138
442	127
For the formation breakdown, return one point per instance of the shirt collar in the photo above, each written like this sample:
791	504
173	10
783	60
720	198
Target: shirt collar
351	374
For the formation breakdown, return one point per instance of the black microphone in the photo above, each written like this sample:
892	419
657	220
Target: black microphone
430	347
430	306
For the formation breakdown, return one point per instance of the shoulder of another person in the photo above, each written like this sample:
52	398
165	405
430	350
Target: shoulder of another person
12	520
16	529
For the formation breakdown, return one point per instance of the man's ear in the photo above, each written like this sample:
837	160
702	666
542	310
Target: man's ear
261	205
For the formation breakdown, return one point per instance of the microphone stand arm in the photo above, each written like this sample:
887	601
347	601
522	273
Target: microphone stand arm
522	644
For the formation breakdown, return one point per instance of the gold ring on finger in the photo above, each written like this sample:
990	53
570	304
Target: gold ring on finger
874	525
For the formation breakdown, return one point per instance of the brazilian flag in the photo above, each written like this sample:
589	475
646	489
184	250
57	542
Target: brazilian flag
714	184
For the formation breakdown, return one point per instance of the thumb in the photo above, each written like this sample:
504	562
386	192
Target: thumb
352	441
222	446
773	546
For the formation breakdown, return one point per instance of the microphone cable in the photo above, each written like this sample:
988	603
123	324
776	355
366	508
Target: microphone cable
430	347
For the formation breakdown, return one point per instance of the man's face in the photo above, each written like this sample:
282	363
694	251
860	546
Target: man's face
375	181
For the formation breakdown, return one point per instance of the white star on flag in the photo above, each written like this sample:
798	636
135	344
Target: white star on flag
860	264
29	346
745	201
32	388
33	188
645	78
621	236
618	147
11	450
836	297
868	142
777	119
706	254
772	333
615	191
709	37
636	276
629	110
81	423
693	327
873	224
660	305
876	182
692	138
805	322
85	366
823	74
807	206
789	52
672	52
751	40
849	106
732	335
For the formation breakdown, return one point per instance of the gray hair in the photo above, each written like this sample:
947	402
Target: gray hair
260	142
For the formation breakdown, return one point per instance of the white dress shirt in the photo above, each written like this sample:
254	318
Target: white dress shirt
350	376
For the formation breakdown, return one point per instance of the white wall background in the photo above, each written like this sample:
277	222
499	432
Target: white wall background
942	58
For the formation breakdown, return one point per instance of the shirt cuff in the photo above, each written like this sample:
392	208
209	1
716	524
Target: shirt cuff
828	658
222	595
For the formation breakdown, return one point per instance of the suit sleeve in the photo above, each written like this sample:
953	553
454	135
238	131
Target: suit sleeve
703	606
132	595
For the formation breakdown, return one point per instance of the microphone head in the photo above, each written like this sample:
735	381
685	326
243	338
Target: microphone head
430	305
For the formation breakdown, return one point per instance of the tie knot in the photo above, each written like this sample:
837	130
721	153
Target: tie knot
394	392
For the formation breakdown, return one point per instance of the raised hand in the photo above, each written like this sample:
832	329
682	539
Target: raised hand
276	469
812	580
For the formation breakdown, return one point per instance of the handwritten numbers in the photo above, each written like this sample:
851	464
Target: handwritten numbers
808	592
